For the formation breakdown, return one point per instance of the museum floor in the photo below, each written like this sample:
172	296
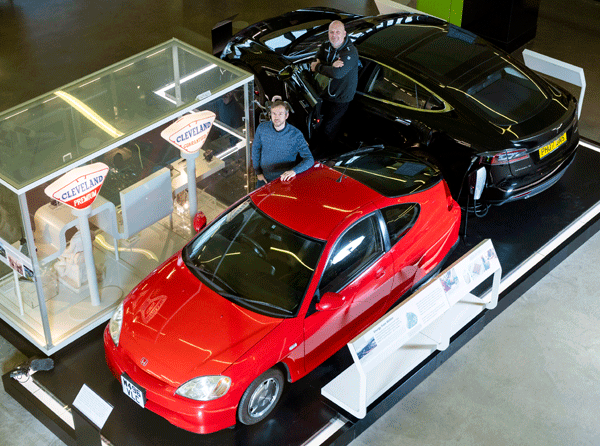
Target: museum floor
530	377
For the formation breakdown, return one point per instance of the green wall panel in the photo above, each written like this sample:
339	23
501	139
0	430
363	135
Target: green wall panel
450	10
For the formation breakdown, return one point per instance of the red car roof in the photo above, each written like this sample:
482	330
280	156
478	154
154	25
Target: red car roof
317	203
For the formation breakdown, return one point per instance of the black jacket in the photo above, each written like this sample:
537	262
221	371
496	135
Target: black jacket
343	81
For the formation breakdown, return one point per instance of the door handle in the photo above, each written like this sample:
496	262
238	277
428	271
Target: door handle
403	121
380	273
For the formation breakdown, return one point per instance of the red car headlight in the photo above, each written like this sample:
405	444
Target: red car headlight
115	324
205	388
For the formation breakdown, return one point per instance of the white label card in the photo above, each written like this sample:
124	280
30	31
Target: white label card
92	406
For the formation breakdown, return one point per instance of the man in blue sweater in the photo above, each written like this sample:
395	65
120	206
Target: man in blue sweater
276	147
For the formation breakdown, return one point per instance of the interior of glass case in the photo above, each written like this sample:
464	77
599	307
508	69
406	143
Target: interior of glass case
141	215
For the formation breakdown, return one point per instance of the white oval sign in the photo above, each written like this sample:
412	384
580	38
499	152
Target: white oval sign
79	187
189	132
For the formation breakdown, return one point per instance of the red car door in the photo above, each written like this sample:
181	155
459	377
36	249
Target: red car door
359	270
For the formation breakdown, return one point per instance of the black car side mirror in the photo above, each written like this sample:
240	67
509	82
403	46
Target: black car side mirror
330	301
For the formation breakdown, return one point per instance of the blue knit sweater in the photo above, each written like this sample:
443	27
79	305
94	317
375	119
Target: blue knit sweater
275	152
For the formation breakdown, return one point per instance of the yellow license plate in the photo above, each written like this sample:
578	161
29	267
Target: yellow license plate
549	148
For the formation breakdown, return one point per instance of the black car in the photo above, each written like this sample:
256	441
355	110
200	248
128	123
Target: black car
456	98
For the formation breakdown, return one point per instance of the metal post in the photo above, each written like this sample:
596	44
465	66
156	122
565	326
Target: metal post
249	120
36	270
190	159
88	252
176	76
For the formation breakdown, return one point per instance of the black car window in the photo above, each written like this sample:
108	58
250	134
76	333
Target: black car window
358	248
399	219
504	94
391	85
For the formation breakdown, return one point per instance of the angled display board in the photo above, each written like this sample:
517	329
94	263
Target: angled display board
399	341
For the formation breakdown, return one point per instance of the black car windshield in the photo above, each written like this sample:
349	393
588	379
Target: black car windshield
390	173
254	261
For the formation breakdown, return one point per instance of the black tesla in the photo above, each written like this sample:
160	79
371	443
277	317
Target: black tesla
468	106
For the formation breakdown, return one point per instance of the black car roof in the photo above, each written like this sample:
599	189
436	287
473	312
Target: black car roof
387	171
444	51
427	44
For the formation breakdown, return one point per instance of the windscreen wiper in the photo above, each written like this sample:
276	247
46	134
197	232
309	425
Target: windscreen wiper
211	278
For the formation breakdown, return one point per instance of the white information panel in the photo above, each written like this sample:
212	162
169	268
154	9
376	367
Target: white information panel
15	259
92	406
391	347
558	69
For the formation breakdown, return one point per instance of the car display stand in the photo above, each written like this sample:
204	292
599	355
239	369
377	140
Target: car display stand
391	347
526	250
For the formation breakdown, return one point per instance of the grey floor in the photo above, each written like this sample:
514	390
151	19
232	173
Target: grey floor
531	377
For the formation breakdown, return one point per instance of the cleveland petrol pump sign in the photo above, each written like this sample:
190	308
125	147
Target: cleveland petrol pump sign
79	187
189	132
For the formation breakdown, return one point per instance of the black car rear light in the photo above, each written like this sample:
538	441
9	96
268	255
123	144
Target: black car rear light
506	157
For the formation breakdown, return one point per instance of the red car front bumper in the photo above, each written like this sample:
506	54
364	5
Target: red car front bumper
201	417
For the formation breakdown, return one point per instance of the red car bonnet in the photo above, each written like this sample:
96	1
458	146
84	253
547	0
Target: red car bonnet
183	329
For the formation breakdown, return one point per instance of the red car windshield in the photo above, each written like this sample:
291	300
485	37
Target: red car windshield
254	261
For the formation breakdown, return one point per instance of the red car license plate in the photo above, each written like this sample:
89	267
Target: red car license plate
133	391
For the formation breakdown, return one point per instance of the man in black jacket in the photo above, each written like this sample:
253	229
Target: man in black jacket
338	60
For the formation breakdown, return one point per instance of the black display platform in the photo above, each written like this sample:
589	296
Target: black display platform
518	230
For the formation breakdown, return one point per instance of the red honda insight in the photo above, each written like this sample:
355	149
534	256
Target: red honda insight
277	284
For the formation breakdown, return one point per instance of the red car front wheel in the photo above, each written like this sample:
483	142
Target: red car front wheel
261	397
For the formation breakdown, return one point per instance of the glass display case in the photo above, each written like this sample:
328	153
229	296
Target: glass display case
140	217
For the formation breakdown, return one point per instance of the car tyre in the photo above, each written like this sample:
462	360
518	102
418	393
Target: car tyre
261	397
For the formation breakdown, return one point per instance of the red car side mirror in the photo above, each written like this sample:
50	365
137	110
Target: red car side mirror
199	221
330	301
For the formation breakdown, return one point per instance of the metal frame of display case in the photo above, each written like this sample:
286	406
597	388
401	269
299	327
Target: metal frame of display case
181	104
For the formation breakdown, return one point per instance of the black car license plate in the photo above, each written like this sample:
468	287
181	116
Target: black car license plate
133	390
549	148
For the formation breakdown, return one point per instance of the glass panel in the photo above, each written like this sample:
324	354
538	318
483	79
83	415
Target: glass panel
399	219
226	145
133	170
140	217
389	172
11	227
392	86
18	294
359	247
254	261
60	128
488	95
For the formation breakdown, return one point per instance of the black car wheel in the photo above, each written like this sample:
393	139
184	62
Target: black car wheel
261	397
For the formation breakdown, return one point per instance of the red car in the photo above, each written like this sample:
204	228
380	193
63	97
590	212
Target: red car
277	284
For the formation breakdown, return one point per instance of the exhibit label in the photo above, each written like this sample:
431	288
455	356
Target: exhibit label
90	404
79	187
189	132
